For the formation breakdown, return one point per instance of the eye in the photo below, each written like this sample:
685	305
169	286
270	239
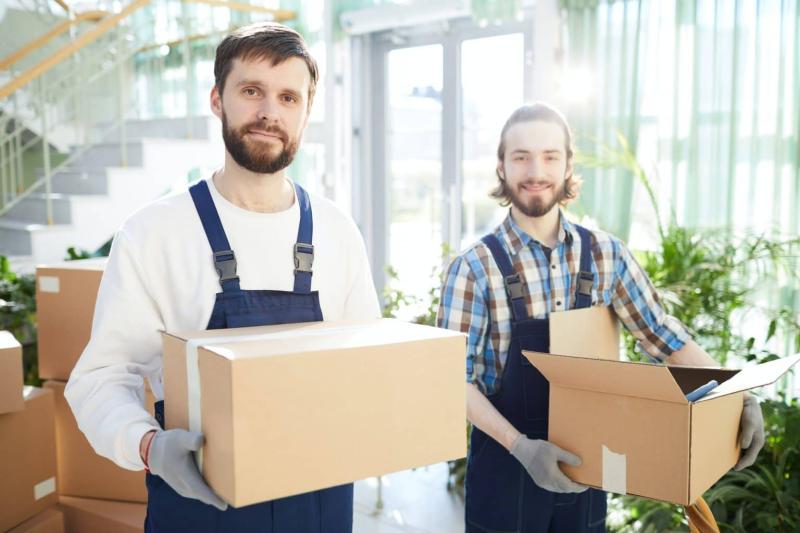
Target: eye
289	98
250	91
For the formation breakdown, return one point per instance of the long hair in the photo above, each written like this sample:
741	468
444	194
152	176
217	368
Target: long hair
529	113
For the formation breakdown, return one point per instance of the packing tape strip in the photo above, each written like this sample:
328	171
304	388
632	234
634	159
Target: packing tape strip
615	472
50	284
44	488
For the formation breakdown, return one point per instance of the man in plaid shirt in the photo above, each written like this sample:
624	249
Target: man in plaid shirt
501	291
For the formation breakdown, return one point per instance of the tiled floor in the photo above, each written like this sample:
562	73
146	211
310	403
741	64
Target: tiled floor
415	501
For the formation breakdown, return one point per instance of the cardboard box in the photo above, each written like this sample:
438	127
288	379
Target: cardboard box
27	459
65	298
84	515
48	521
634	430
11	378
294	408
83	473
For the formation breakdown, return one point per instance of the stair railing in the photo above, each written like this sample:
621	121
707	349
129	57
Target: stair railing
54	111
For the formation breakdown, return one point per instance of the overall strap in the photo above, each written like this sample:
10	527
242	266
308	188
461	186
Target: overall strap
303	249
224	258
511	280
583	296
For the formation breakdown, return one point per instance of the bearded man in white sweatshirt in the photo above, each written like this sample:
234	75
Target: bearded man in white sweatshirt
243	247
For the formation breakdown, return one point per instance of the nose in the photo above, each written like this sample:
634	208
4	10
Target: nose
535	168
268	110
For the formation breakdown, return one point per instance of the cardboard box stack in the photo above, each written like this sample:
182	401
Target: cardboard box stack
94	493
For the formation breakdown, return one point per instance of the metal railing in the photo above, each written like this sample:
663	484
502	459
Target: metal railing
52	111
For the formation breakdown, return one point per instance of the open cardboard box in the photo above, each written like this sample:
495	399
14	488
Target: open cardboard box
298	407
634	430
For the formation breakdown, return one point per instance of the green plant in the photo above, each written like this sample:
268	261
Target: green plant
18	315
766	496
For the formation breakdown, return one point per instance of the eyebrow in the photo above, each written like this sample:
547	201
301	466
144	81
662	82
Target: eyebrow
548	152
257	83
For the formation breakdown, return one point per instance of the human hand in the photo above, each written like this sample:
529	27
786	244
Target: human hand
751	432
540	458
170	457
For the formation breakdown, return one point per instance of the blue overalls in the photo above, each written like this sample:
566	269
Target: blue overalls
501	496
323	511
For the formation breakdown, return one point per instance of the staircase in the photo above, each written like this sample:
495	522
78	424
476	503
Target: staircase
96	193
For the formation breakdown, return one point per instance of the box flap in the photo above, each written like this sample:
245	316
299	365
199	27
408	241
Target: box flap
755	376
640	380
286	339
590	332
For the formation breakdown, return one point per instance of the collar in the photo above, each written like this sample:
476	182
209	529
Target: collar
516	239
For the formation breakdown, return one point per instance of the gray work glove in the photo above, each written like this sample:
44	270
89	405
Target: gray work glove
751	432
540	458
172	459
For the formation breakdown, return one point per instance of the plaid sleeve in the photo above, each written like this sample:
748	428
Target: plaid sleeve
462	308
638	306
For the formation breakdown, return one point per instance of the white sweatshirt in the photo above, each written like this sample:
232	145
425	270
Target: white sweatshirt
160	276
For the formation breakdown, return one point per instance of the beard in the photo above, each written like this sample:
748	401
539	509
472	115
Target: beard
537	206
256	156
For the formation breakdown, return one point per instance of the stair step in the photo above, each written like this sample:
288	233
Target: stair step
33	209
76	181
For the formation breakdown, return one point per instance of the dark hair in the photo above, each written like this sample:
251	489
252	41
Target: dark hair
263	40
529	113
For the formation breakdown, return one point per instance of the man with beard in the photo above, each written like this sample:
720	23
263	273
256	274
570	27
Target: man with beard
238	249
501	291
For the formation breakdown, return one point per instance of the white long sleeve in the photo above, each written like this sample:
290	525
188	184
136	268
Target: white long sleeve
160	276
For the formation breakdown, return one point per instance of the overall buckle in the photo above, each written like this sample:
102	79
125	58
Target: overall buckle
225	264
585	282
303	257
514	286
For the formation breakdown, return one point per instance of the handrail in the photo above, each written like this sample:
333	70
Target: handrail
109	22
63	5
60	28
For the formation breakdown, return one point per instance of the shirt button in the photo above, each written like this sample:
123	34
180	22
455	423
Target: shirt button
553	267
558	304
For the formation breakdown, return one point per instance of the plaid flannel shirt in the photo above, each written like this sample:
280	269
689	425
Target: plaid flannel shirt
474	300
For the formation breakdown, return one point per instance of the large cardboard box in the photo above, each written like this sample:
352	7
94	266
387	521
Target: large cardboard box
48	521
65	298
10	374
27	459
84	515
294	408
636	432
83	473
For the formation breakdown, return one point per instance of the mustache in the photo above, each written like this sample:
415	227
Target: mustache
258	127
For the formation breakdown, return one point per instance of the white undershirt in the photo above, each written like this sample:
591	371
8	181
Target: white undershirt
160	276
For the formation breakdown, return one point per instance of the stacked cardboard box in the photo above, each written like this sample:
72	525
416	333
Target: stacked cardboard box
27	459
50	520
94	493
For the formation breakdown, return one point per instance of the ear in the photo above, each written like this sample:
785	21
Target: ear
569	170
501	172
215	100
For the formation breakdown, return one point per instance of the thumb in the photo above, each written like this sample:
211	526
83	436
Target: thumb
191	440
746	438
569	458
